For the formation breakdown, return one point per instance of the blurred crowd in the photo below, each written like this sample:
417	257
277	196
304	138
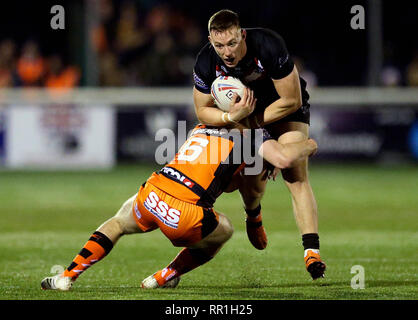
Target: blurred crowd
30	68
150	48
139	46
156	47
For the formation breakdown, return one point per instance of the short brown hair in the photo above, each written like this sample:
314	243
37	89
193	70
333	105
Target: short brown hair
223	20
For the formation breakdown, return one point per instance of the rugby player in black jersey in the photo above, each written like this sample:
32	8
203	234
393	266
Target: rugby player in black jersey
259	58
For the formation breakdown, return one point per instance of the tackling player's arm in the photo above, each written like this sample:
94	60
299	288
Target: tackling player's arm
290	100
286	155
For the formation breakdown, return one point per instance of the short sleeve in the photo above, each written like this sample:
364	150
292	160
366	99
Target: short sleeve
280	62
201	72
200	82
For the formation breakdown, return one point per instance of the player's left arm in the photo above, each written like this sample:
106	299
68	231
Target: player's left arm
290	100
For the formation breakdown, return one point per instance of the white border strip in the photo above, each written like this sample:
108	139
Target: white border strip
138	97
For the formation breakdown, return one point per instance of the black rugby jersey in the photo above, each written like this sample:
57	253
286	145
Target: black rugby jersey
266	58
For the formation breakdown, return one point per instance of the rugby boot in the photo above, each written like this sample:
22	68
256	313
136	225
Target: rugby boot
161	279
57	282
255	232
314	265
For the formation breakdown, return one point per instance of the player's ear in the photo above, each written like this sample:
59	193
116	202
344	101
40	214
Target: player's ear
243	33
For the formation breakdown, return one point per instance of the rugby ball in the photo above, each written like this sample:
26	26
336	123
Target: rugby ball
222	90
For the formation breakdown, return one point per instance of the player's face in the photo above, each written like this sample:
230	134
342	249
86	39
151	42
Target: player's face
229	45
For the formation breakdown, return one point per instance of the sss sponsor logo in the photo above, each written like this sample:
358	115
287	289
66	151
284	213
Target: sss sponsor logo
168	216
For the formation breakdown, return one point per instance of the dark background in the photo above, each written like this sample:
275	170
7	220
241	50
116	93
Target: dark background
317	32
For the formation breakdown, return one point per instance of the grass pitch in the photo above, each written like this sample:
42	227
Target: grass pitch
368	216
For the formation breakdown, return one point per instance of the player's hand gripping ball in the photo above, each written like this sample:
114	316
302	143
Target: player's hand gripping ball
223	89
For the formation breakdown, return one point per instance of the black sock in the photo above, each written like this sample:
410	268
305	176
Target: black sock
103	240
253	212
310	241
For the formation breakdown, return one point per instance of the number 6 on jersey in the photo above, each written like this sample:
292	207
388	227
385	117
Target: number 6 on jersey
195	149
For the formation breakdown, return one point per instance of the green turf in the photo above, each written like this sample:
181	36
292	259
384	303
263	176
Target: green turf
368	216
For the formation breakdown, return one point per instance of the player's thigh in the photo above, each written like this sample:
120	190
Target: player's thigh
125	217
218	236
288	132
291	132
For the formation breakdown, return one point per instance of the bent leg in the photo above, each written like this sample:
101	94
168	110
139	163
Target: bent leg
122	223
252	189
98	246
213	242
192	256
103	239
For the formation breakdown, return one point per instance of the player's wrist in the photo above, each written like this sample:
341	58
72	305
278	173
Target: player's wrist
231	119
227	118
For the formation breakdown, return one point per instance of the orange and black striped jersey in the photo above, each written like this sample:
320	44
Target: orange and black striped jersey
206	162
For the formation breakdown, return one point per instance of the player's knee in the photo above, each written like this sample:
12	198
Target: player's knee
112	228
298	187
295	176
124	218
119	224
227	229
252	191
229	232
249	198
